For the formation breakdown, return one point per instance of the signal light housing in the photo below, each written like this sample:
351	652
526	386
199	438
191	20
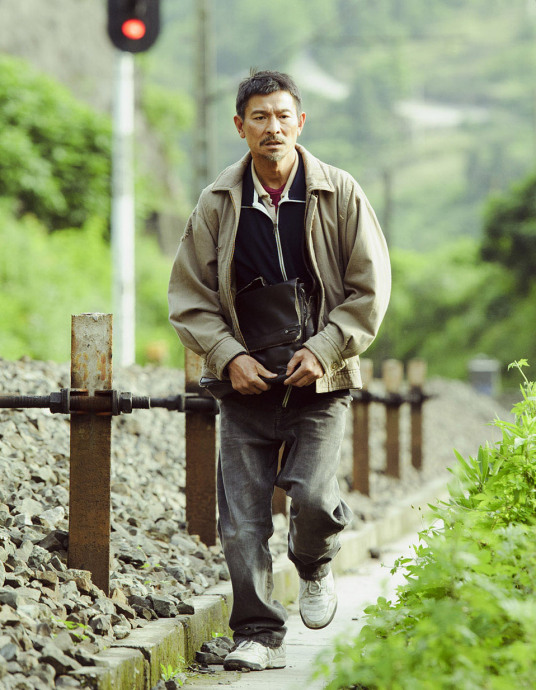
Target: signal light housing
133	25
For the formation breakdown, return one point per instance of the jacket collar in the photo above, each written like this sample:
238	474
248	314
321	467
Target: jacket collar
316	176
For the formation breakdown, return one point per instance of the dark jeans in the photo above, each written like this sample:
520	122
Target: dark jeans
251	434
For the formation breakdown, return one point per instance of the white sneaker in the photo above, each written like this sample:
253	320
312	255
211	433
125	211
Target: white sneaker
318	601
253	656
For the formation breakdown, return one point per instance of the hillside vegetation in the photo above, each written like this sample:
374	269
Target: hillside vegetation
430	105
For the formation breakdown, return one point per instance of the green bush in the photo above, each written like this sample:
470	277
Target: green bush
447	306
466	615
54	150
510	231
45	278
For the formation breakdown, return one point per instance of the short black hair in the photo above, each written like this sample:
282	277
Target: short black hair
263	83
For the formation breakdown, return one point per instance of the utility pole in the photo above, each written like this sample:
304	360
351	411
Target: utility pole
204	145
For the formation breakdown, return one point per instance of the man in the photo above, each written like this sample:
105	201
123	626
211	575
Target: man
277	215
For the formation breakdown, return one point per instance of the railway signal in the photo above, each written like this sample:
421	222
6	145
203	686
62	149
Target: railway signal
133	25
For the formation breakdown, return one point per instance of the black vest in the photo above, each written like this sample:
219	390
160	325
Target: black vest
257	249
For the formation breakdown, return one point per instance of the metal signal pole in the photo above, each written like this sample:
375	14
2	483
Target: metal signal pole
123	210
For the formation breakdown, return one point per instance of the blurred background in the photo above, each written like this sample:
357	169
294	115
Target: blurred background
431	106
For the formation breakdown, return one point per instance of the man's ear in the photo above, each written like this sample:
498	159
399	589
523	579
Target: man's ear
301	122
239	126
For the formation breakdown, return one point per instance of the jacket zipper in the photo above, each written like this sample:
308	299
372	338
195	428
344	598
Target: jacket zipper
279	247
284	274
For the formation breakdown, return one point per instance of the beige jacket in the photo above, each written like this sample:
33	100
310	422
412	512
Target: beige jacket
347	252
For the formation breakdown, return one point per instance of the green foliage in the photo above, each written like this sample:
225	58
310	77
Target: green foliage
447	306
510	232
76	629
46	278
466	615
170	672
449	53
55	174
54	151
441	306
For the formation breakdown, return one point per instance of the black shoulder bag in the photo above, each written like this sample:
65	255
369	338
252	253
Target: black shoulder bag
275	321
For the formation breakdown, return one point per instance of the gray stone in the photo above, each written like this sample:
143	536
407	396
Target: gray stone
208	659
63	641
67	682
185	608
125	610
105	606
69	589
47	674
61	663
31	611
30	507
5	518
178	572
9	651
101	624
52	516
219	645
38	558
57	564
50	543
82	579
22	520
163	606
11	597
121	631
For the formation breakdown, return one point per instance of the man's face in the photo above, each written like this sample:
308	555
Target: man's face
271	126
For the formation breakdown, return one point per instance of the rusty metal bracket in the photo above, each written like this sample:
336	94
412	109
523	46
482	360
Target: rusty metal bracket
108	402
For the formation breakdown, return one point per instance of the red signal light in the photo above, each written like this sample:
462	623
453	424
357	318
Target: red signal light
133	25
133	29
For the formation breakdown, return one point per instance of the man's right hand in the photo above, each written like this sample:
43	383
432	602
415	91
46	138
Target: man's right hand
245	372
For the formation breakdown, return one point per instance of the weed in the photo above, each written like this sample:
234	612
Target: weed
170	672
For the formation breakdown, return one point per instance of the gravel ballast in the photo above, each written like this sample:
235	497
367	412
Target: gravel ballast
54	620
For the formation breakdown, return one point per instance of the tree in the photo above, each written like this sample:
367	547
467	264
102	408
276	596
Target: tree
510	232
54	151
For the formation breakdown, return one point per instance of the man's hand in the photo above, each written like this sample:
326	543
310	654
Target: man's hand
303	369
245	372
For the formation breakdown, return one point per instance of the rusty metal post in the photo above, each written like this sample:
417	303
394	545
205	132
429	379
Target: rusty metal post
200	460
360	432
393	373
89	490
416	376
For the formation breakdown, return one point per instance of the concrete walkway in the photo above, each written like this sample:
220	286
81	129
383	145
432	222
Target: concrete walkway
135	663
355	591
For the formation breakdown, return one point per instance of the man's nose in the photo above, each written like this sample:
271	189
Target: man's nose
273	125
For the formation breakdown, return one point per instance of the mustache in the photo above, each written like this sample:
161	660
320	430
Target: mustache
272	140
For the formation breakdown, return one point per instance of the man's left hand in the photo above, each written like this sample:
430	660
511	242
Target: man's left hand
303	369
